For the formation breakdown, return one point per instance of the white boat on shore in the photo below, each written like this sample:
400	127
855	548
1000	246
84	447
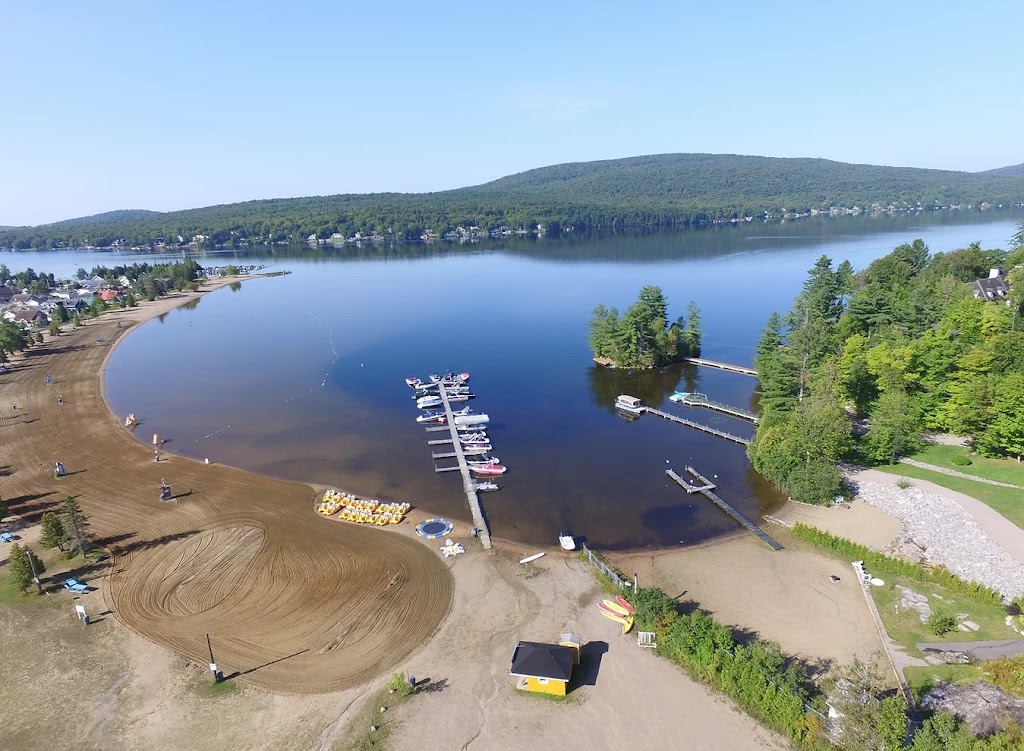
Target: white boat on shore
567	541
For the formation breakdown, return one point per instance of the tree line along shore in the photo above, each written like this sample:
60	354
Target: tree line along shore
665	191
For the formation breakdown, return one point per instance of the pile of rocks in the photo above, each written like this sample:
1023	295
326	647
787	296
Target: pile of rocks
946	534
911	600
984	707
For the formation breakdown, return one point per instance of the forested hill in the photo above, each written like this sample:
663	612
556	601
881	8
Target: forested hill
660	191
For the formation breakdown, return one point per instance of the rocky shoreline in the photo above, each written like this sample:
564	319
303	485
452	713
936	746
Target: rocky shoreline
939	530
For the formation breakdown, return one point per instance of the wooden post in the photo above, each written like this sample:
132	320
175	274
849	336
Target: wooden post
32	565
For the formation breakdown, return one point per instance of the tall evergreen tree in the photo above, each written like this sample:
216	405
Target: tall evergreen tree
22	561
76	525
53	532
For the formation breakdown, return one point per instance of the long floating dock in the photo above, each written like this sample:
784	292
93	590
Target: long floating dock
701	400
468	483
707	488
721	366
696	425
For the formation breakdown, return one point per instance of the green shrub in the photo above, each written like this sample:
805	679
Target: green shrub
960	461
875	560
903	483
941	624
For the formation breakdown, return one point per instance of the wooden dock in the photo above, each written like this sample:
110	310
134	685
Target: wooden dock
468	482
696	425
701	400
721	366
707	488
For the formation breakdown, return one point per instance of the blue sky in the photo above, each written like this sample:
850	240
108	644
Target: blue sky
111	104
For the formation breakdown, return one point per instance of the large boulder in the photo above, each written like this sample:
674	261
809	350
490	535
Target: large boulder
984	707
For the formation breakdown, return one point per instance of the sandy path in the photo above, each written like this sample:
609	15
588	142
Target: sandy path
291	602
861	523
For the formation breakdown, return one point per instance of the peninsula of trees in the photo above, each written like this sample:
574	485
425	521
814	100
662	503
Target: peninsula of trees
911	343
661	191
643	336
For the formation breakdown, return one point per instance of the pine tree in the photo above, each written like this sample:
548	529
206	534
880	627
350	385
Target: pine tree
53	533
76	525
22	561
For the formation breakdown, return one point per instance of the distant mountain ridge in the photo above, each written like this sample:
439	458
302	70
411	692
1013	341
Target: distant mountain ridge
654	191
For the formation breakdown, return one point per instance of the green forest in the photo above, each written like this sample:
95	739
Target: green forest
865	362
643	337
663	191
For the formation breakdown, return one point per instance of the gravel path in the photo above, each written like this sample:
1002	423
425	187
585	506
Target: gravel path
940	525
954	473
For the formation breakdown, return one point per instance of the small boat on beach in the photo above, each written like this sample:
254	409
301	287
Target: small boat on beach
567	541
533	557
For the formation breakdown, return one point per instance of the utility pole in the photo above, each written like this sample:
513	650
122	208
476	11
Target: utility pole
32	565
218	676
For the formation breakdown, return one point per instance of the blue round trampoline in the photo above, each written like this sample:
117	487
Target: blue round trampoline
433	528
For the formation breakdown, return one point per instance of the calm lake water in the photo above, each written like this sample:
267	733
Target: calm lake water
302	376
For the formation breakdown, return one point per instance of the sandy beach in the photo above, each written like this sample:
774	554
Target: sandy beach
309	615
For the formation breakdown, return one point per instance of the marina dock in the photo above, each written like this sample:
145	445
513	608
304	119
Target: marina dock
721	366
695	425
707	488
468	483
701	400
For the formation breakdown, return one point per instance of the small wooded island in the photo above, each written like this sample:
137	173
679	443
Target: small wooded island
643	336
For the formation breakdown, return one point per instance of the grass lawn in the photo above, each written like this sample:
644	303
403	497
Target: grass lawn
921	680
905	627
1007	501
1000	470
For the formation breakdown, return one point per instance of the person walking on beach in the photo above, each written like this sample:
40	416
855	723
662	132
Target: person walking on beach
60	398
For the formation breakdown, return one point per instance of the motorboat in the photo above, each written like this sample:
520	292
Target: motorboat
486	486
431	416
449	377
474	440
489	470
425	402
453	389
482	459
463	411
460	397
481	419
411	381
471	437
476	448
567	541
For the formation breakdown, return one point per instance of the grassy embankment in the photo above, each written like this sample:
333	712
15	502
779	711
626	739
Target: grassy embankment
1007	501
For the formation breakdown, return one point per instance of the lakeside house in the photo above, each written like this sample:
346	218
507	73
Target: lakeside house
545	668
993	288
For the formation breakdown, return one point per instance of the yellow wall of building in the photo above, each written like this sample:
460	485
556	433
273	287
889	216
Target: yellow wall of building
556	688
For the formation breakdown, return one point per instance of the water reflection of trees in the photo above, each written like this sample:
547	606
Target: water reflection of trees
191	304
650	386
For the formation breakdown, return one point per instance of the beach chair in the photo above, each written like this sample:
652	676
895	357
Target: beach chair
73	585
6	537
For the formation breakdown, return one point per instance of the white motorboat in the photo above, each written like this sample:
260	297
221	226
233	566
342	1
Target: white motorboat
431	416
486	486
471	437
472	419
476	448
476	461
628	403
474	441
460	397
425	402
567	541
463	411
